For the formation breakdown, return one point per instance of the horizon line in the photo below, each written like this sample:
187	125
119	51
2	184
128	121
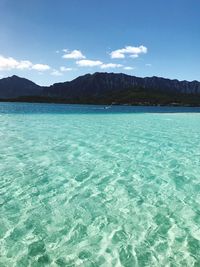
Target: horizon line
99	72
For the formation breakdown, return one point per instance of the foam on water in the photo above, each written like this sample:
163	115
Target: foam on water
98	189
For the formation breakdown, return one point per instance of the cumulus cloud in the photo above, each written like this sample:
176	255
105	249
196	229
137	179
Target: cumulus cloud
40	67
63	69
56	73
24	64
9	63
132	51
128	68
134	56
110	66
88	63
75	54
97	63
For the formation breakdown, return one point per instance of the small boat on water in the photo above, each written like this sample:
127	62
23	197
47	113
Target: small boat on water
107	107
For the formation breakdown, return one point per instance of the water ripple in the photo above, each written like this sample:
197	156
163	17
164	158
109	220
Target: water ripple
100	190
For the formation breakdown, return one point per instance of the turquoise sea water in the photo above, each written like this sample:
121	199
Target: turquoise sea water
88	186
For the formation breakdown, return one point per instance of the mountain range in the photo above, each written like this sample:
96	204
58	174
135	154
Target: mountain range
104	88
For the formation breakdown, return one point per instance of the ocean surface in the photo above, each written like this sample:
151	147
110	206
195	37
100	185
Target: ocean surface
92	186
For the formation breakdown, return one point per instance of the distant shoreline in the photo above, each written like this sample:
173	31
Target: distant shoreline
63	101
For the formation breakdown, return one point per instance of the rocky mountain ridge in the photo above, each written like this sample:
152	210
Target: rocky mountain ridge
98	88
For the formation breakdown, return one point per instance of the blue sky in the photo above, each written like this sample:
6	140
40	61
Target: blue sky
49	41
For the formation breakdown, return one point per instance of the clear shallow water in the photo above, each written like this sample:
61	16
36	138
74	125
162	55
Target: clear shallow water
85	186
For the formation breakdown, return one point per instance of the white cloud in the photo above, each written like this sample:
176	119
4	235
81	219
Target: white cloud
40	67
148	65
132	51
62	68
97	63
134	56
9	63
75	54
24	64
117	54
56	73
128	68
88	63
110	65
